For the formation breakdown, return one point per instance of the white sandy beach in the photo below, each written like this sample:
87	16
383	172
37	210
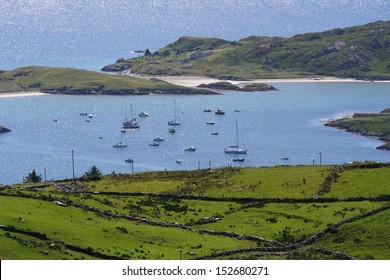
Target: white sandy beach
21	94
193	81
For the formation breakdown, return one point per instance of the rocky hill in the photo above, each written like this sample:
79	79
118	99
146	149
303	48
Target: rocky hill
361	52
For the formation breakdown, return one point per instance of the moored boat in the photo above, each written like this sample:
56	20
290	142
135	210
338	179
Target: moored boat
143	114
220	112
158	139
154	144
236	148
190	149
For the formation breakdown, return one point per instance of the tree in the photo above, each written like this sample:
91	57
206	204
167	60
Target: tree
93	174
147	52
33	177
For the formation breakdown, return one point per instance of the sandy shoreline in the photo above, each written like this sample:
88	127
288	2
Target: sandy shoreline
193	81
21	94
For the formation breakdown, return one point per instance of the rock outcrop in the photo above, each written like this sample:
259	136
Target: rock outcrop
230	87
4	129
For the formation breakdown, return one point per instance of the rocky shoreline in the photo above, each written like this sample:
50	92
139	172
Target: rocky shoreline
227	86
140	91
361	123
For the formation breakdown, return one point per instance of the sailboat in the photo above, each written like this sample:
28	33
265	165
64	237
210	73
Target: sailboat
120	144
175	121
132	123
236	148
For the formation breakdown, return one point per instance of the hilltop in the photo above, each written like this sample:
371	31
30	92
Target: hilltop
77	81
361	52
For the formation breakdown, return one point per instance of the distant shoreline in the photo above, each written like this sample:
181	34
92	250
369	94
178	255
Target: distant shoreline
194	81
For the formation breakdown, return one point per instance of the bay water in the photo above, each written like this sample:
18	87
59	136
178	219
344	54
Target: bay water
272	125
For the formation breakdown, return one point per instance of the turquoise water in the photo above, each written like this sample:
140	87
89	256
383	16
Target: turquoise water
272	125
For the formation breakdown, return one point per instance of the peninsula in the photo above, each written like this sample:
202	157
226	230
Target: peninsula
77	81
368	124
359	52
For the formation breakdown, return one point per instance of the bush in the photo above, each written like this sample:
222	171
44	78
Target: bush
32	177
93	174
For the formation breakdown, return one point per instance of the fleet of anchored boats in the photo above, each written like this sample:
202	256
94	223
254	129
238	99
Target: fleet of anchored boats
132	123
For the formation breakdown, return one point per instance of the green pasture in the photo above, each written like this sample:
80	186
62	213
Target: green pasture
365	239
114	237
368	182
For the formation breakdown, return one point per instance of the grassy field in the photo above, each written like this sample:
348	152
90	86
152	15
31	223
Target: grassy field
251	213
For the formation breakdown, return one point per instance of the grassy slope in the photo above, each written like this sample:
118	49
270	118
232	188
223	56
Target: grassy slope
286	222
69	80
376	125
360	52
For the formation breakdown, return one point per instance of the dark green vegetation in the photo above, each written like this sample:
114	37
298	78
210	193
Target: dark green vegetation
252	87
361	52
367	124
77	81
294	212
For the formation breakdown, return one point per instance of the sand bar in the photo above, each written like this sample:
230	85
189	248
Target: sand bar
21	94
193	81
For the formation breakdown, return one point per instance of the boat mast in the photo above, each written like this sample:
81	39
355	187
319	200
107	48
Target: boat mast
237	133
175	112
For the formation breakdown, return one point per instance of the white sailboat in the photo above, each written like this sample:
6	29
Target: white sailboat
175	121
120	144
236	148
132	123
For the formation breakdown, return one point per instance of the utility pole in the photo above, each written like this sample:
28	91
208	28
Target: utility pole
320	158
73	164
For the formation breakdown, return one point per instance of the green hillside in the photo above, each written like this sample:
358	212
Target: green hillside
368	124
77	81
361	52
283	212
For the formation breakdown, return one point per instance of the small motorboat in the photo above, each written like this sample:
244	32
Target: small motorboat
178	161
239	159
158	139
154	144
210	122
190	149
207	110
284	158
143	114
220	112
214	133
171	130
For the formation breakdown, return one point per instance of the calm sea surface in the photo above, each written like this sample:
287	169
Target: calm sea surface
272	125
